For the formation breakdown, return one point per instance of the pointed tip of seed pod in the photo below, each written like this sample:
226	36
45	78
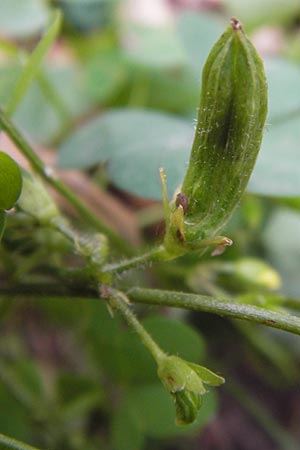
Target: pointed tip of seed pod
236	24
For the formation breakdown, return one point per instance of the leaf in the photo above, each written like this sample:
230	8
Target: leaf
9	74
282	241
7	443
256	12
14	419
105	73
88	15
175	337
153	409
282	102
126	433
20	19
198	33
2	224
10	182
37	114
33	64
277	171
153	46
136	144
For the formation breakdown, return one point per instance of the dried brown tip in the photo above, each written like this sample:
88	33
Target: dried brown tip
236	24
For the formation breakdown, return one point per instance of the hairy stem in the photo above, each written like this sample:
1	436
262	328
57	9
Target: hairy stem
212	305
49	176
119	302
156	254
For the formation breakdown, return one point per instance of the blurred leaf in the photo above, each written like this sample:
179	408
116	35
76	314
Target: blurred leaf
256	12
154	412
10	182
14	420
86	15
20	19
175	337
2	223
33	63
198	32
37	115
126	433
8	443
153	47
277	172
78	395
9	74
282	102
136	144
105	73
282	240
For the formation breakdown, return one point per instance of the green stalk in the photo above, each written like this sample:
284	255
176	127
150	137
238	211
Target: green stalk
212	305
32	66
156	254
119	302
47	174
7	443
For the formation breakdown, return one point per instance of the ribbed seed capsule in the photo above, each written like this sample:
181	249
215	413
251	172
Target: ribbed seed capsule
232	113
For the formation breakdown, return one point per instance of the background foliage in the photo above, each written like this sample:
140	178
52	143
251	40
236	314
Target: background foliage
115	97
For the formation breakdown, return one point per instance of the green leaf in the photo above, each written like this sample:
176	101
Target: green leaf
87	15
175	337
282	241
10	182
33	64
9	74
105	74
126	432
2	223
136	144
21	19
282	102
256	12
37	114
198	33
14	419
153	46
153	410
277	171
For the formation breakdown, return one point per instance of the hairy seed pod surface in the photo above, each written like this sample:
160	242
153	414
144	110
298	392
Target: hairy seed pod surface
232	113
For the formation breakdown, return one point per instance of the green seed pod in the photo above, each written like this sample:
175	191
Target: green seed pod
232	113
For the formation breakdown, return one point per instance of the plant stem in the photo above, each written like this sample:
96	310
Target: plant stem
49	176
7	443
156	254
119	302
213	305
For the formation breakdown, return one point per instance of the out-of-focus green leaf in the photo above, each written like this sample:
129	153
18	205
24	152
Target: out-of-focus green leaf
10	182
105	73
20	18
282	240
126	432
9	74
259	12
175	337
277	172
2	223
136	143
33	64
86	15
77	395
153	410
37	115
153	46
14	420
282	102
198	32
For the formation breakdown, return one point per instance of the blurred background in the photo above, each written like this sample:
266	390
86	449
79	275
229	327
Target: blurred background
114	99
